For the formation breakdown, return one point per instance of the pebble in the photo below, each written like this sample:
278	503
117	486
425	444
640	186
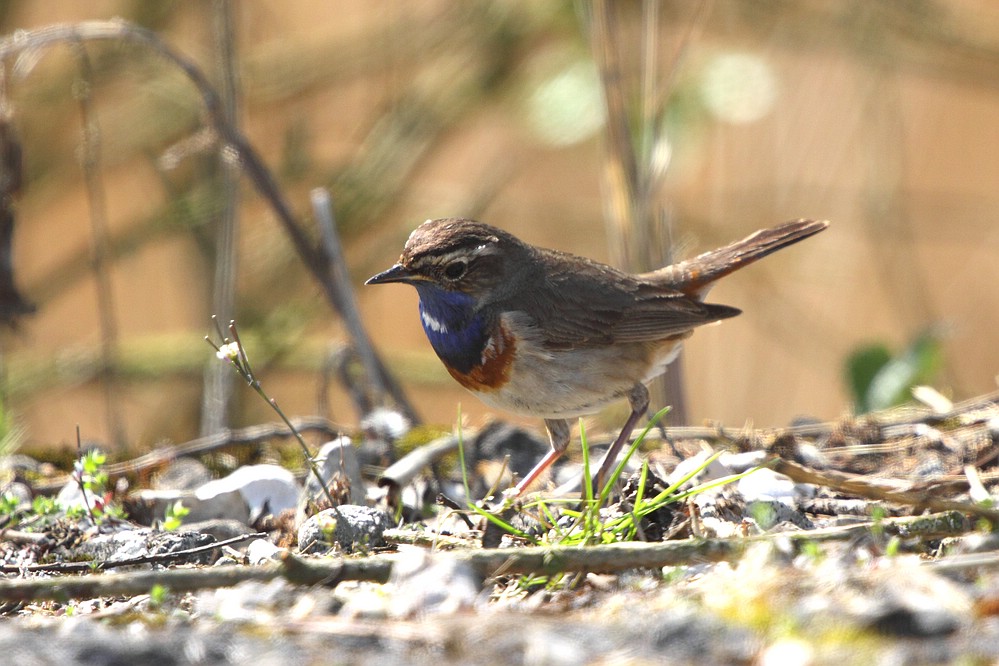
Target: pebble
349	526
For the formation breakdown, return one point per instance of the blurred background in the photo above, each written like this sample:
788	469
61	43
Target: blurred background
133	227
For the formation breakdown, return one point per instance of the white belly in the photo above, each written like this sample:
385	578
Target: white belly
559	384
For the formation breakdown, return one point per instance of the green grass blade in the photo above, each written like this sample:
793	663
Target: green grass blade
503	525
673	488
725	480
619	469
461	459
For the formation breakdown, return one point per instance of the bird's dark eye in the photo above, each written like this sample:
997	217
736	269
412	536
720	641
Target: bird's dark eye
455	270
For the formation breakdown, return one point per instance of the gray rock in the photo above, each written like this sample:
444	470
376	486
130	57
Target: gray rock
975	542
903	599
766	485
262	550
19	491
689	637
266	604
17	462
771	514
347	526
714	470
421	584
130	544
743	461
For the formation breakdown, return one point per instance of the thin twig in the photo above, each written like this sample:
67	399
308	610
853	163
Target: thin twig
897	422
240	362
90	159
432	540
40	539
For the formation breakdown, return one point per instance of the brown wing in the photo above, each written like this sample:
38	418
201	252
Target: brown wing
584	303
654	317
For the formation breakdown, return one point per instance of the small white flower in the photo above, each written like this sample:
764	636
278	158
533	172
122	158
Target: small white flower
229	351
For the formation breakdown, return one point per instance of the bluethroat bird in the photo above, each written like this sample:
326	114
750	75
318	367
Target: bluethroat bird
557	336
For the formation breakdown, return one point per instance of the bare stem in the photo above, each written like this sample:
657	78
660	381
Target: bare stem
241	363
90	159
79	476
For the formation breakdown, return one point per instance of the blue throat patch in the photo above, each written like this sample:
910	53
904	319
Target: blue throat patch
456	331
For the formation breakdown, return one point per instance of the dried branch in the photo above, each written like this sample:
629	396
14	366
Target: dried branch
402	472
263	180
921	496
322	209
377	568
929	527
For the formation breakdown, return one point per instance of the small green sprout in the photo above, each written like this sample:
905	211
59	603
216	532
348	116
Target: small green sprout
175	514
157	595
45	506
95	479
8	504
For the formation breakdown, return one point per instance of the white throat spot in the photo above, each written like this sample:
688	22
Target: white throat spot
433	324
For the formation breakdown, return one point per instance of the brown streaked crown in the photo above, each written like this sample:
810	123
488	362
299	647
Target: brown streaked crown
462	255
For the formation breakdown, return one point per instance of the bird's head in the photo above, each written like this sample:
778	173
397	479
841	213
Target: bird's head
459	255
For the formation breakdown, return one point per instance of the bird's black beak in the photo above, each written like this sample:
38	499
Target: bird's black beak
397	273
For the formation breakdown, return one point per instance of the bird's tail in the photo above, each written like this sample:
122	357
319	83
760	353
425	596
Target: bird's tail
694	276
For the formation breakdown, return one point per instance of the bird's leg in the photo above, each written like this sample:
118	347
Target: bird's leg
558	434
639	399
